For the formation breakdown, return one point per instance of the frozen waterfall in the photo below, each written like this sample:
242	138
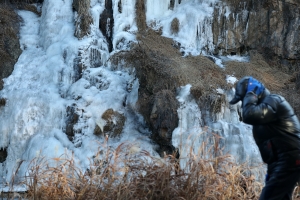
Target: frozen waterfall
43	85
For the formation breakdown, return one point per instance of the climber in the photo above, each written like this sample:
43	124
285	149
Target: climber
276	131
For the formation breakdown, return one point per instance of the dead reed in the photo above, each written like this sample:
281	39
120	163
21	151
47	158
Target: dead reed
130	173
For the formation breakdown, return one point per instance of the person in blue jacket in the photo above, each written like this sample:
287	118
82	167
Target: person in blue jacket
276	131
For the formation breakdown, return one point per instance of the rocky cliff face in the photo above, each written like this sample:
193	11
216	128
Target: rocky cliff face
9	41
269	26
9	45
9	34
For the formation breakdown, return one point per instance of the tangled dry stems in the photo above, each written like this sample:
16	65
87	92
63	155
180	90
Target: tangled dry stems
125	173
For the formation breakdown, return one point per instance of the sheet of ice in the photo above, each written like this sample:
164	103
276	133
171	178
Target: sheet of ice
195	26
124	24
187	137
195	20
236	58
191	138
231	79
33	91
42	86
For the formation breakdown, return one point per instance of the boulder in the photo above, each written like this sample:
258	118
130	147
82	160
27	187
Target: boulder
114	123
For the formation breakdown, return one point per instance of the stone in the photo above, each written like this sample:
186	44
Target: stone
71	119
114	123
3	155
164	118
83	19
106	23
2	101
175	26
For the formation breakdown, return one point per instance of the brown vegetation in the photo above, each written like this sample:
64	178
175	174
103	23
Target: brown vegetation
275	76
175	26
128	173
160	66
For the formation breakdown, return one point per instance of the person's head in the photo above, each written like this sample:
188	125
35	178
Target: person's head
240	89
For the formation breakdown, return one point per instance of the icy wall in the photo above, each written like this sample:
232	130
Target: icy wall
46	90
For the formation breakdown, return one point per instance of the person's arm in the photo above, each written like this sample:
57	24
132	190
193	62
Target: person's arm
254	113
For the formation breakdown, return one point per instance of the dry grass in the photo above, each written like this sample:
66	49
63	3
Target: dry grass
175	26
128	173
160	65
277	78
141	16
272	78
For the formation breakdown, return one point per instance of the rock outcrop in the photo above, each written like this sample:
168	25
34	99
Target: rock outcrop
71	119
270	26
9	40
114	123
106	23
161	70
3	155
83	18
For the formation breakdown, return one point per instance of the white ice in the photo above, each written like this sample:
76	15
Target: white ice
42	85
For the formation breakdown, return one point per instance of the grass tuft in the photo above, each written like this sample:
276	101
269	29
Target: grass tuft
130	173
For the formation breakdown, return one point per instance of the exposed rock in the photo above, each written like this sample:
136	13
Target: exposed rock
98	131
120	6
78	65
9	40
3	155
9	34
71	120
114	123
83	19
141	15
95	57
172	4
106	23
163	119
2	102
262	25
1	84
161	70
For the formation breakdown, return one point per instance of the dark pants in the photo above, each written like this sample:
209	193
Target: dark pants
280	185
